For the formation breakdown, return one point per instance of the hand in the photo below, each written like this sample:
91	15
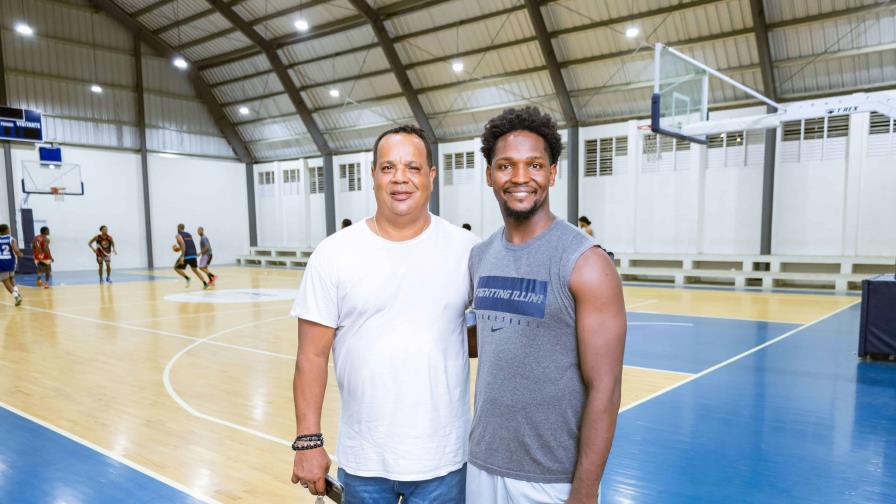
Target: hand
310	467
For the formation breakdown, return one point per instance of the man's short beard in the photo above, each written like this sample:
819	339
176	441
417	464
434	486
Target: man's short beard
520	215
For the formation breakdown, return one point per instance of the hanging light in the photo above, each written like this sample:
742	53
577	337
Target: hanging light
301	24
95	88
632	32
22	28
244	110
457	66
334	93
181	63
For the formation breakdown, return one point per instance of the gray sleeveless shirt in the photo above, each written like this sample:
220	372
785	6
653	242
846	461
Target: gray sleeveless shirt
529	390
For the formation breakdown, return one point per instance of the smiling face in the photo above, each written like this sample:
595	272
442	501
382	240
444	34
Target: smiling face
402	179
520	174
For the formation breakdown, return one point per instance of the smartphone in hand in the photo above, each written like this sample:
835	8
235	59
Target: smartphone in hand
334	489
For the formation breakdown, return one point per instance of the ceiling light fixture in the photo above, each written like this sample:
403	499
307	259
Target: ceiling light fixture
244	110
334	93
301	25
23	29
632	32
96	88
457	66
181	63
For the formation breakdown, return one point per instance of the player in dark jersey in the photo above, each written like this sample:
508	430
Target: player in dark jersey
43	258
188	256
105	247
205	255
9	252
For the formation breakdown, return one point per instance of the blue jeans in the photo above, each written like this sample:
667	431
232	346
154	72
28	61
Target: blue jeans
447	489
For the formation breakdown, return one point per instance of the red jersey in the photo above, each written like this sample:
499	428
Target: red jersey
104	245
40	248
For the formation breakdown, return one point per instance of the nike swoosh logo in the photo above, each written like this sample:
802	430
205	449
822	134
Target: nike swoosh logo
496	329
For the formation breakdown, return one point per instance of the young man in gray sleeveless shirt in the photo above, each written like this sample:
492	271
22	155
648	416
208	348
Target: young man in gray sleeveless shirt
551	333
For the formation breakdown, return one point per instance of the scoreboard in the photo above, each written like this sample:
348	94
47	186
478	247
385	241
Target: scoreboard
20	124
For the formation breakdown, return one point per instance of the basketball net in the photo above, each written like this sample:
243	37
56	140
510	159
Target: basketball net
58	193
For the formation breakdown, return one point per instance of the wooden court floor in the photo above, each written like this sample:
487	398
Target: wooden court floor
199	394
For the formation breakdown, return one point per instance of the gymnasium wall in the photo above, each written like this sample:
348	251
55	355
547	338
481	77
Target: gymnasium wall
871	210
113	196
195	191
287	212
833	194
198	192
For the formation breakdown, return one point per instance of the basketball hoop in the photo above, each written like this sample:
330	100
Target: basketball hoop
58	193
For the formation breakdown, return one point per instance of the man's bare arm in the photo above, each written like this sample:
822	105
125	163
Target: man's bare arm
472	346
600	329
308	387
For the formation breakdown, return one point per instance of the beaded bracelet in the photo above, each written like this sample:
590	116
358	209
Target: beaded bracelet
308	441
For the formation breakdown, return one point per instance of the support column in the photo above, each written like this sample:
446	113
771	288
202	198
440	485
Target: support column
434	199
10	189
7	157
250	202
768	188
572	175
329	194
144	162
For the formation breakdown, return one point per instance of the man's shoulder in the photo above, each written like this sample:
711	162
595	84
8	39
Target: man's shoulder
455	234
494	240
573	236
342	240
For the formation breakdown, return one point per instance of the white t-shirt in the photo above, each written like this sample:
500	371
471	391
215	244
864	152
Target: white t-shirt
400	350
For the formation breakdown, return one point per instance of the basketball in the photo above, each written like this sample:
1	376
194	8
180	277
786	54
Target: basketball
175	248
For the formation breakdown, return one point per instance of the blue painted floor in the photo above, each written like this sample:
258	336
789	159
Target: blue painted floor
802	420
38	465
692	344
90	277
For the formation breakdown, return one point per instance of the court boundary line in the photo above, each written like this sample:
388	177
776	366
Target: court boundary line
642	368
153	331
642	303
742	319
102	451
202	314
685	324
169	388
737	357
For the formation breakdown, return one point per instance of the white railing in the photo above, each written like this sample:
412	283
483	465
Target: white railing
276	257
841	274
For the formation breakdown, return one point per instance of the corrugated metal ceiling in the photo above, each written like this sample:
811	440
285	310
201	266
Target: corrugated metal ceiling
604	74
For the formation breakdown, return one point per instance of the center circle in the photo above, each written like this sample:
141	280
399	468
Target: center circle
234	296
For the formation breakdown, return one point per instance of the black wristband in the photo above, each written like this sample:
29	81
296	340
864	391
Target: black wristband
308	441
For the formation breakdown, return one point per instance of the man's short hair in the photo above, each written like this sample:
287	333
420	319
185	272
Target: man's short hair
101	227
523	119
44	230
4	229
180	227
406	129
466	226
346	223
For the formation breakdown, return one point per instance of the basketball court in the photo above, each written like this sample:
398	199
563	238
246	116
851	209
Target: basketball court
132	370
735	155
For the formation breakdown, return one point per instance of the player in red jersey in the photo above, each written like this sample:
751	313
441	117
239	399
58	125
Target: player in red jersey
43	258
105	247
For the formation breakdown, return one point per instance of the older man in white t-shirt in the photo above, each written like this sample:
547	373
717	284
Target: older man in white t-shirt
388	296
